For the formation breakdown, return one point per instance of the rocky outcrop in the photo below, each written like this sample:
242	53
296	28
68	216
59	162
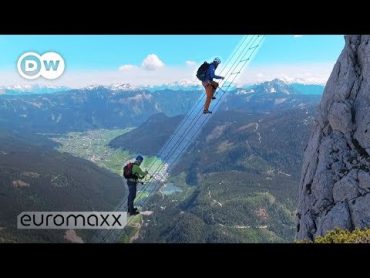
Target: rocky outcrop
335	178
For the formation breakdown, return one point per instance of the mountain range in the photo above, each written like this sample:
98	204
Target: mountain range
31	89
101	107
274	85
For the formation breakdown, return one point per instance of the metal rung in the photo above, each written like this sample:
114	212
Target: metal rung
235	73
254	47
244	60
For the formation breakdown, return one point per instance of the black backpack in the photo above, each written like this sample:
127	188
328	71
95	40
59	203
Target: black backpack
202	71
127	171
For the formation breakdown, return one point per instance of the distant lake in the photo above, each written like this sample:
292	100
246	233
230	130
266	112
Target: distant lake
170	188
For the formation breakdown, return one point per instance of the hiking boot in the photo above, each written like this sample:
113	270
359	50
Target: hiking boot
207	112
135	212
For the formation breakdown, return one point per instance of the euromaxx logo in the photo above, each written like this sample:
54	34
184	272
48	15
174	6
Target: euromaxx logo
72	220
32	65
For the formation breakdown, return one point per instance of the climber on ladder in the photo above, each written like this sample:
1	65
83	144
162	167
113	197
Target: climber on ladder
132	173
206	74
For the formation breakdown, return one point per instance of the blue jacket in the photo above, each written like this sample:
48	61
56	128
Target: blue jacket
211	73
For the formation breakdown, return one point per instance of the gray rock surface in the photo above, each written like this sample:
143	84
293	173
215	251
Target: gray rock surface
335	179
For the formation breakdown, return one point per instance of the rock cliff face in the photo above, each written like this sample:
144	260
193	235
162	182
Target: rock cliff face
335	178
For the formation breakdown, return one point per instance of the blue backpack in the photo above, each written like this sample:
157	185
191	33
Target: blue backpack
202	71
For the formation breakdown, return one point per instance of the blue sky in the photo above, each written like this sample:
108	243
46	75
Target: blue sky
109	59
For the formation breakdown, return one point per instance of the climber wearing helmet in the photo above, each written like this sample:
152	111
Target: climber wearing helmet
132	181
210	85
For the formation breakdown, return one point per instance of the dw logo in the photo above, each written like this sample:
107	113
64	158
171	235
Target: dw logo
49	65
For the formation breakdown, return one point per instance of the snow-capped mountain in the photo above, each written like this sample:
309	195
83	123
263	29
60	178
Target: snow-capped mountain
27	89
278	86
269	87
113	87
176	86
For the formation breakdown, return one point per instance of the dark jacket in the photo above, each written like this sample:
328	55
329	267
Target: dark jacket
210	74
